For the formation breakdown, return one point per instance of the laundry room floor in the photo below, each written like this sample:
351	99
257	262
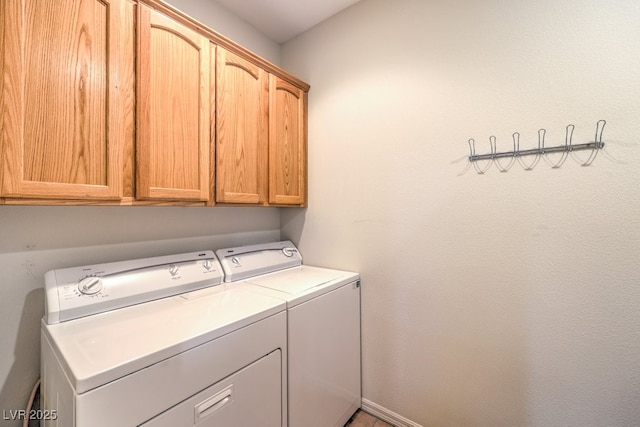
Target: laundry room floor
362	419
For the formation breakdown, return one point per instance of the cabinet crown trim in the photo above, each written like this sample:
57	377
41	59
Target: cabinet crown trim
224	42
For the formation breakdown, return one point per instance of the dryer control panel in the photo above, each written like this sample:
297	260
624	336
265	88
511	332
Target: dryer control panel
248	261
83	291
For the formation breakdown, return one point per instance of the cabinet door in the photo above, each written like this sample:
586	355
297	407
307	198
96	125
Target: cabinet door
241	130
173	110
287	143
66	105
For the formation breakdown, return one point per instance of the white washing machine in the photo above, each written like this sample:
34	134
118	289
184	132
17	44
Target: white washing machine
323	328
161	342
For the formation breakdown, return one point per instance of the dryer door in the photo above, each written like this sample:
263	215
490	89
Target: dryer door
249	397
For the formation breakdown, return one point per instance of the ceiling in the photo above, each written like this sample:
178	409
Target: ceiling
282	20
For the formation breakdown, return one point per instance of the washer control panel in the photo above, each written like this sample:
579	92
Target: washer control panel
83	291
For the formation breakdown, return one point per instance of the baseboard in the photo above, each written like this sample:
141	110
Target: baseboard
384	414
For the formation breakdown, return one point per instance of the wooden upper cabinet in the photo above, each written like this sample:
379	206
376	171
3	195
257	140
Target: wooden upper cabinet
67	97
125	102
241	130
287	143
173	140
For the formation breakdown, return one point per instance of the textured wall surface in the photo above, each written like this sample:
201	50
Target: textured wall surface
503	299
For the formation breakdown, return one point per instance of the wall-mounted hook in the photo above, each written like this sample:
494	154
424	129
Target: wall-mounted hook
539	152
492	144
599	130
568	136
472	148
492	140
598	143
472	157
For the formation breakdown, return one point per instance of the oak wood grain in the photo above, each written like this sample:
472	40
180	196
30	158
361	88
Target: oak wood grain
212	120
229	45
62	110
125	201
173	144
241	130
71	82
287	143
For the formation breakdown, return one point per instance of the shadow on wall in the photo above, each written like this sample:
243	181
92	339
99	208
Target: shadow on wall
21	376
292	224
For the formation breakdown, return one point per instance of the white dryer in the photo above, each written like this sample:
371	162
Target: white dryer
323	324
161	342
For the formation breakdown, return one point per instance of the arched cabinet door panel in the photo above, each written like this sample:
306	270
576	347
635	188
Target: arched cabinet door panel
173	140
287	143
242	111
66	103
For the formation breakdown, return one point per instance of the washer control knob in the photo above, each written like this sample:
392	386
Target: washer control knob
235	260
289	251
207	264
173	269
90	285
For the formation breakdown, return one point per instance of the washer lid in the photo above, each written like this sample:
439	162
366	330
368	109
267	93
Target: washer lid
299	284
98	349
296	280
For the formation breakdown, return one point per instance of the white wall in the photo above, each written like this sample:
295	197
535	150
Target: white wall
226	23
34	240
500	299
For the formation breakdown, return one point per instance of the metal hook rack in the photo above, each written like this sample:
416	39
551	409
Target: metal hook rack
539	152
